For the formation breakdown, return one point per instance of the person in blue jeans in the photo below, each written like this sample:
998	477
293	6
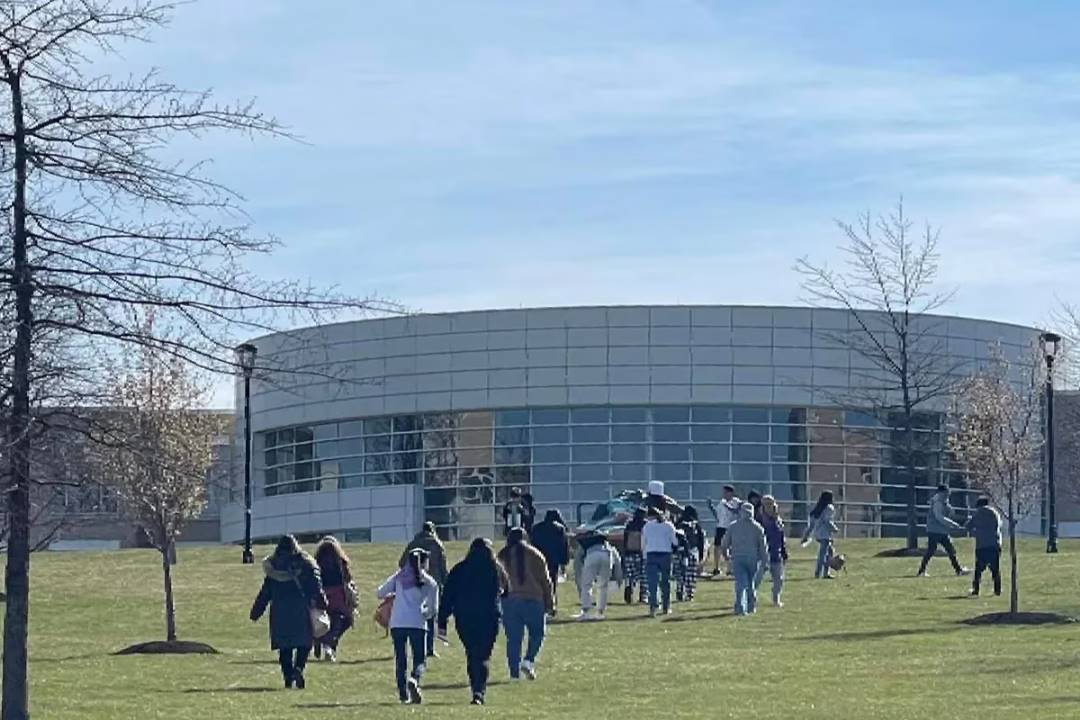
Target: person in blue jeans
822	528
416	601
744	546
659	540
527	603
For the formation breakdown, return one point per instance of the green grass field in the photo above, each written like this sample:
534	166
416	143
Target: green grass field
878	643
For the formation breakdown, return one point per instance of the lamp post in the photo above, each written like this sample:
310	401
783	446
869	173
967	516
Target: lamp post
245	358
1051	345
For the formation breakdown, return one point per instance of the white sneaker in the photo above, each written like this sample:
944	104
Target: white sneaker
581	616
599	617
964	571
528	669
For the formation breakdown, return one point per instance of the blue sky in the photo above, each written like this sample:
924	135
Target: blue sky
475	154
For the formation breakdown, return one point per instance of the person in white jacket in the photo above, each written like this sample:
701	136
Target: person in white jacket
595	562
822	528
416	601
726	514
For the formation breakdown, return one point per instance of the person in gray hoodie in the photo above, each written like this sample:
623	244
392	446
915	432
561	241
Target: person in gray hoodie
985	525
939	524
744	545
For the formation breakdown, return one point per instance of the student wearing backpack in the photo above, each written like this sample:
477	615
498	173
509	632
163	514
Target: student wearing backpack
821	528
985	525
416	601
341	594
939	524
633	558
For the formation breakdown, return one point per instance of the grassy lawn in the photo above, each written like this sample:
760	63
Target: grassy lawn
878	643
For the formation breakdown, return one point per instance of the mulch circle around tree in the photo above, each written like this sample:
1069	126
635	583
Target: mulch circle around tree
161	647
1020	618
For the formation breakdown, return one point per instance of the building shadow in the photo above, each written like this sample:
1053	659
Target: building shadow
238	689
883	634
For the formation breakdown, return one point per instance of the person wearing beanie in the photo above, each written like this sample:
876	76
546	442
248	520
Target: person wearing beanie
744	546
428	541
939	524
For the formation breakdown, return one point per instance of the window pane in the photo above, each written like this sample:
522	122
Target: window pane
671	433
551	454
628	433
589	434
712	453
512	436
671	471
270	439
750	453
590	453
671	453
285	437
629	415
750	433
750	474
354	428
712	433
629	453
629	473
512	455
512	418
551	474
750	415
557	416
379	443
671	414
589	415
550	435
377	426
591	473
711	414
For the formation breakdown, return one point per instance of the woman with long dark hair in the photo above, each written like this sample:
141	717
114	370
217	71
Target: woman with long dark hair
336	571
291	588
527	603
471	595
416	600
821	528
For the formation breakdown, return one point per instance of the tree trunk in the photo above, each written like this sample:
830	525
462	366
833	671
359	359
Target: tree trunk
909	468
15	705
1014	588
170	606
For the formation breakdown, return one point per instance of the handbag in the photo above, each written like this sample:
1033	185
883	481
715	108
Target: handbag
352	597
320	622
383	612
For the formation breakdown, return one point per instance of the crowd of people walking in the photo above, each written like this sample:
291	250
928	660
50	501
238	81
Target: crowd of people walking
313	600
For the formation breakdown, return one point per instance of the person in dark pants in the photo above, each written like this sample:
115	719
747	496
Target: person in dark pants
528	514
633	559
471	594
939	524
659	541
985	525
416	600
341	597
553	541
428	541
290	589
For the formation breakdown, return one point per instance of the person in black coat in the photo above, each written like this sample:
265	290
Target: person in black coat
551	538
291	588
471	595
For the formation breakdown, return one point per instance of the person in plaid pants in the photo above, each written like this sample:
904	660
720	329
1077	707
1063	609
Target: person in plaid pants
691	550
632	559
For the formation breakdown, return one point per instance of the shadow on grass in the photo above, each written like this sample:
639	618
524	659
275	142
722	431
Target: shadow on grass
883	634
71	658
458	685
385	703
238	689
362	661
695	618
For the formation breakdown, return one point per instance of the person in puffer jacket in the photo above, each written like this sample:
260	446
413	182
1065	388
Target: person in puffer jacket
939	524
595	561
551	538
291	588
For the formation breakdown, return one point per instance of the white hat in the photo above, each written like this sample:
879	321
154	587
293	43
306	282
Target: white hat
656	487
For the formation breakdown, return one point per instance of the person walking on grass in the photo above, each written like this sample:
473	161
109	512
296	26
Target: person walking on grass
341	597
821	527
595	562
633	558
754	498
744	547
551	538
985	525
688	557
428	541
939	524
527	603
291	588
472	592
773	525
513	512
659	541
726	513
416	602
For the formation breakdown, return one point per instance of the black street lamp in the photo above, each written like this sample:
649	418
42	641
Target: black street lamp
1051	345
245	358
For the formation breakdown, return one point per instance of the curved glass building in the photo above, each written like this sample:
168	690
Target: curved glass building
364	429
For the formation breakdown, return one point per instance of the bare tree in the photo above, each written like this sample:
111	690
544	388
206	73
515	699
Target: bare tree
155	450
997	436
886	287
101	228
